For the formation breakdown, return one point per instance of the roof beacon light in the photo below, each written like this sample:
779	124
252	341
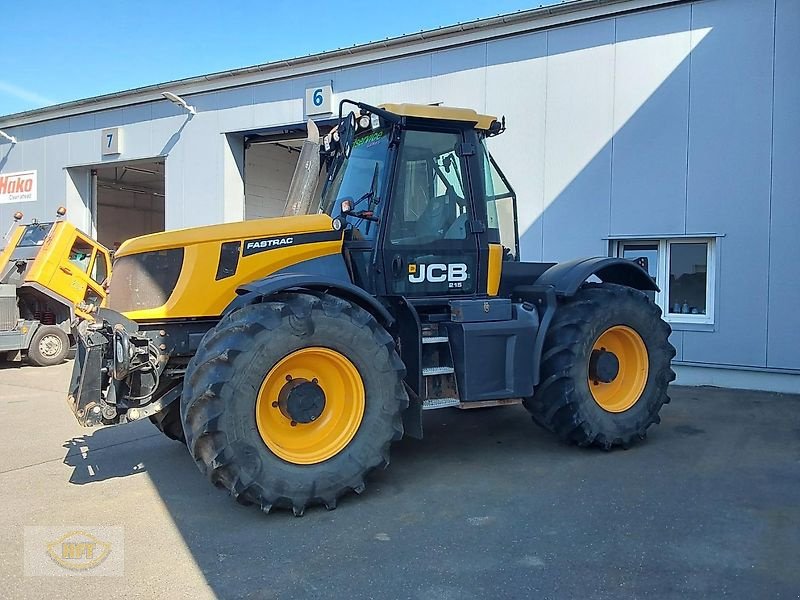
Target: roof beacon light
17	219
61	211
175	99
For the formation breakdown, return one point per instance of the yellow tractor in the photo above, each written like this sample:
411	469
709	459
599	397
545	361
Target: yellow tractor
50	273
288	354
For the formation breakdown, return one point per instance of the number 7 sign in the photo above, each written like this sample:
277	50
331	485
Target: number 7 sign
111	141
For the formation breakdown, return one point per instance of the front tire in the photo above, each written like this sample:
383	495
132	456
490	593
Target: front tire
587	397
345	376
49	346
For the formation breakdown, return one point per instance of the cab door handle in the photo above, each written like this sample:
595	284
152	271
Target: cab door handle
66	270
397	265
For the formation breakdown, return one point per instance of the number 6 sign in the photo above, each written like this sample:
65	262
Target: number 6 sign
318	99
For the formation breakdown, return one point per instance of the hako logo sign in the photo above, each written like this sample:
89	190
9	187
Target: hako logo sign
17	187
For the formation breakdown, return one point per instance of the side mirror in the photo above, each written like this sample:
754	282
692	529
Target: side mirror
347	210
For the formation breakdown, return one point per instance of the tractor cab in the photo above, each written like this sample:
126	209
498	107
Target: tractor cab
425	209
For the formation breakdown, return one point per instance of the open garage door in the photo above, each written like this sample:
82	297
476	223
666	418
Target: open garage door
269	167
130	201
270	159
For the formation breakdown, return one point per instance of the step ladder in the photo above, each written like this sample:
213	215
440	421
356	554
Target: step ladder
440	389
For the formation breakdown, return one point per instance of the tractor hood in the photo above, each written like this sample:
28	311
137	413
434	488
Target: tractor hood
242	230
192	273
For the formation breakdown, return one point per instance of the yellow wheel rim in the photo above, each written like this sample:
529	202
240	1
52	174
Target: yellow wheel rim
307	443
626	388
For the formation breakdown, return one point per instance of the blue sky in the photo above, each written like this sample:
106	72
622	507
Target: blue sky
55	51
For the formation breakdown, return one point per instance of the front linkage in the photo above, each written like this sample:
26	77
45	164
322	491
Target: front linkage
125	371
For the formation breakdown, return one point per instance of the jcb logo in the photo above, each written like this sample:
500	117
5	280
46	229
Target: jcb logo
453	273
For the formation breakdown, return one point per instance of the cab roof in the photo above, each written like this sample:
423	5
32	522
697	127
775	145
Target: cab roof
445	113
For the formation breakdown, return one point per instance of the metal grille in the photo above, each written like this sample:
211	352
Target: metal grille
8	307
143	281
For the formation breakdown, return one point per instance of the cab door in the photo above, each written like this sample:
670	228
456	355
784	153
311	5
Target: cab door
73	278
430	242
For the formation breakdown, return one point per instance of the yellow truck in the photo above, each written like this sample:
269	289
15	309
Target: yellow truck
50	273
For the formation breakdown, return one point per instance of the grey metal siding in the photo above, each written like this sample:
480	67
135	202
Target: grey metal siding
729	171
783	340
648	186
577	206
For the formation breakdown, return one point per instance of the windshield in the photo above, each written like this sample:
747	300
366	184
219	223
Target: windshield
360	179
34	235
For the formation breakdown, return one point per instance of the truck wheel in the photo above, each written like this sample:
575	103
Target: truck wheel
292	402
49	346
605	368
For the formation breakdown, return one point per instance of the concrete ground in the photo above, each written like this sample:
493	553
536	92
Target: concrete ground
487	506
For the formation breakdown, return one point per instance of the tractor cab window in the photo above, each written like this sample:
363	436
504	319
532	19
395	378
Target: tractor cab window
500	205
360	180
428	200
80	254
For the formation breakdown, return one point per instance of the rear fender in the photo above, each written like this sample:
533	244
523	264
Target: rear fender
563	280
567	277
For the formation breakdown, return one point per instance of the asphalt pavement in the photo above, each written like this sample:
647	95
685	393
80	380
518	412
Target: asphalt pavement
486	506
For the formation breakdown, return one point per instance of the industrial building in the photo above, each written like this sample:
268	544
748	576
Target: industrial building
665	129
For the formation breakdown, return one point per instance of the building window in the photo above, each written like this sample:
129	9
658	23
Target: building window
683	269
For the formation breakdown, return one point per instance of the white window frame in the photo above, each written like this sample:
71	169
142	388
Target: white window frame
662	275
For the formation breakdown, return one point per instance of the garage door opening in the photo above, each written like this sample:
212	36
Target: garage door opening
270	159
130	201
269	167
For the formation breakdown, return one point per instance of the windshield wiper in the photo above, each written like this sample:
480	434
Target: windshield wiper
373	189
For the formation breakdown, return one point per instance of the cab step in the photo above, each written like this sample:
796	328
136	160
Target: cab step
430	371
434	403
435	339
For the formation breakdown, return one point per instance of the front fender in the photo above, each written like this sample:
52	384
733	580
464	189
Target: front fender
317	277
567	277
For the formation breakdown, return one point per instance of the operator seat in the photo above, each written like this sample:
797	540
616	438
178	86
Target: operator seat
434	220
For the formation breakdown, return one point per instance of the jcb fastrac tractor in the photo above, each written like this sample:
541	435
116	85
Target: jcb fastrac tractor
50	273
289	353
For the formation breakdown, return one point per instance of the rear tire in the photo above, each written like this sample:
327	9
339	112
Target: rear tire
568	403
49	346
224	390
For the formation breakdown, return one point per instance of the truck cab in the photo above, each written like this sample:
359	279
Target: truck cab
50	273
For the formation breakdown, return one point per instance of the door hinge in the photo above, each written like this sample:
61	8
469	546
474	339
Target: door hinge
475	226
465	149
